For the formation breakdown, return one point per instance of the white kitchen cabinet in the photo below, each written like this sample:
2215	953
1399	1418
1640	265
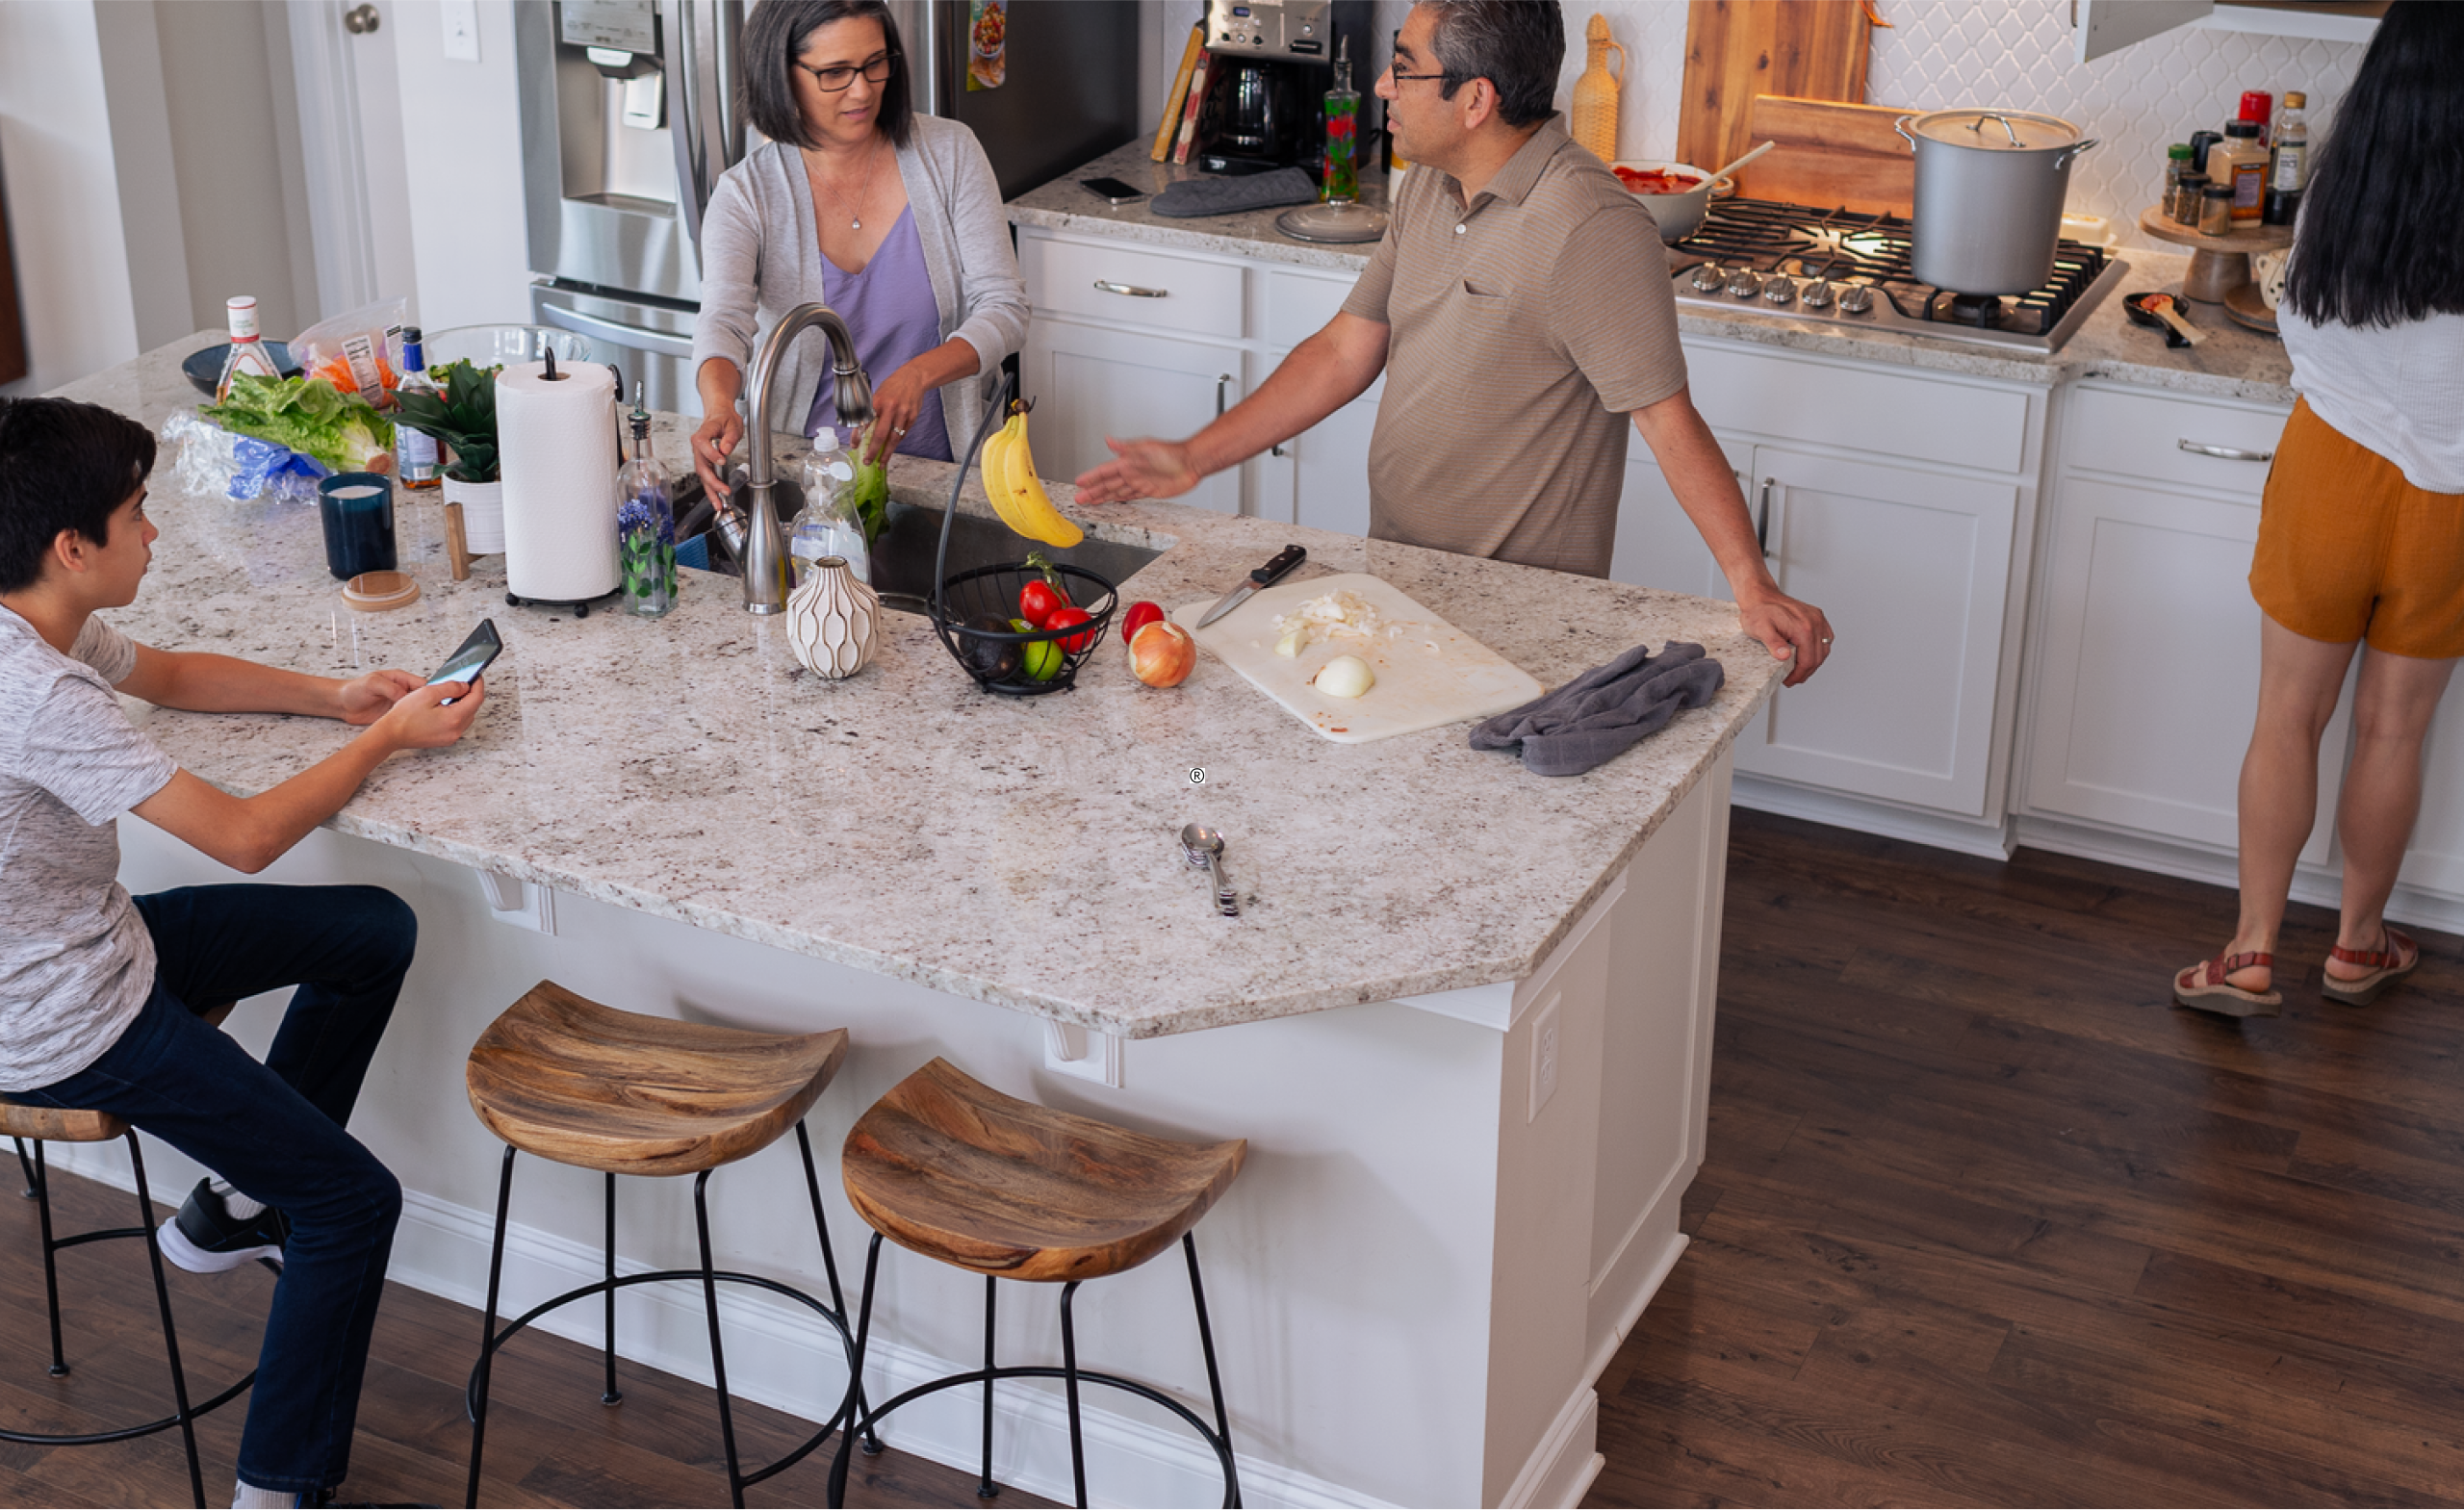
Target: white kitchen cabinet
1912	568
2435	862
2147	679
1658	545
1089	382
1320	478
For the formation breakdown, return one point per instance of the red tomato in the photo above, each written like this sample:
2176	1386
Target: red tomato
1062	619
1140	614
1039	601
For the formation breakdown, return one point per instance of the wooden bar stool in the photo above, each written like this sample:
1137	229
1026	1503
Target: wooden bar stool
957	1172
567	1079
40	1125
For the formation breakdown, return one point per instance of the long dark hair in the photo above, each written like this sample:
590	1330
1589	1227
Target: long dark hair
2379	241
773	36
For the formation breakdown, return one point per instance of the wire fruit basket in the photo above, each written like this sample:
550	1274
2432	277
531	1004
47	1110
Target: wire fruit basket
974	611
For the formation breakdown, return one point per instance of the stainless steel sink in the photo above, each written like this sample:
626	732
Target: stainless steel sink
904	555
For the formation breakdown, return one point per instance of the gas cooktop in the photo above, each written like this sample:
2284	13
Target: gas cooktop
1832	266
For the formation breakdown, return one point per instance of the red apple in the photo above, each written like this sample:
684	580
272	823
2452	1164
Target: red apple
1162	654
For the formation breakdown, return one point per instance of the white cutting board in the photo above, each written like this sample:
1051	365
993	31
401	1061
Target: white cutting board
1430	673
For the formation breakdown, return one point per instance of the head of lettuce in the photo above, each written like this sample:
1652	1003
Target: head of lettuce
339	433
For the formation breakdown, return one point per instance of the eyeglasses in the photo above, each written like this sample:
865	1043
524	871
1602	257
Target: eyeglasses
840	76
1413	78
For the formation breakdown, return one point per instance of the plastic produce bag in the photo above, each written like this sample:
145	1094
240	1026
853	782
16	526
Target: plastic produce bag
360	353
209	460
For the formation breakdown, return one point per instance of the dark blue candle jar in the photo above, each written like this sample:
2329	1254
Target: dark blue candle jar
357	508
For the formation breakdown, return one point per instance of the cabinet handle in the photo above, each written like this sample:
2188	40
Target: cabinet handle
1276	450
1131	290
1223	381
1762	521
2226	453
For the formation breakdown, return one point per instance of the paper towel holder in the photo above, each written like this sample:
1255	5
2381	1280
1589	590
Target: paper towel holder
580	605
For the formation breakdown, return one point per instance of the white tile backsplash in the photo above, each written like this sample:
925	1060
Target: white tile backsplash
1939	54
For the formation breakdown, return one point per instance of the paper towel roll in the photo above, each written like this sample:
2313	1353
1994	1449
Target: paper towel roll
556	452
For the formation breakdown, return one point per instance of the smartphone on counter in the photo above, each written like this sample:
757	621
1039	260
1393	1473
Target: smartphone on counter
472	656
1112	190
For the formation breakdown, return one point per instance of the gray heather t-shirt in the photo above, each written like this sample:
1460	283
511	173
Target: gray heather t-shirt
76	963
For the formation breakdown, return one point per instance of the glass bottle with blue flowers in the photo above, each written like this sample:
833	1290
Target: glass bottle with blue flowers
645	524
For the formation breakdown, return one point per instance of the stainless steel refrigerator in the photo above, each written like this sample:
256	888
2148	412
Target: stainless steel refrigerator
625	128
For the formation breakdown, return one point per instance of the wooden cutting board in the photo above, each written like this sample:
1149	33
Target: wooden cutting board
1430	673
1737	49
1827	153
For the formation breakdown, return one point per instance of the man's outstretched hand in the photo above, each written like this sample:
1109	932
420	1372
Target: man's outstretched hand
1141	469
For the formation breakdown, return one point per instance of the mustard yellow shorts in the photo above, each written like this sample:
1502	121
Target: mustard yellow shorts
2351	550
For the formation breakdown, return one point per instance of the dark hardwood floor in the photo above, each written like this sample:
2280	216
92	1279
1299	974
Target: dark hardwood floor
1985	1221
549	1441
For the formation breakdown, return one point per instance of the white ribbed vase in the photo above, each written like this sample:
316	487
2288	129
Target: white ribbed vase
833	620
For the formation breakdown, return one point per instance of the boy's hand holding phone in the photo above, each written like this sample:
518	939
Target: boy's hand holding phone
432	716
365	698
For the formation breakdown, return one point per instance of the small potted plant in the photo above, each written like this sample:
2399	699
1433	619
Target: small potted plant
462	414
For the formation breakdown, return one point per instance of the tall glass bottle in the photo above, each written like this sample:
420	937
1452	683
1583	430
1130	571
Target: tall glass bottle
2289	160
645	524
415	453
1340	182
829	526
247	353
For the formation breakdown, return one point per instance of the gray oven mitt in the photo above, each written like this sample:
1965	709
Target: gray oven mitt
1606	711
1192	198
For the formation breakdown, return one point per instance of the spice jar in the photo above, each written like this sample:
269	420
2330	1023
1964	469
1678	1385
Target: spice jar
2216	211
2242	164
2177	162
2184	208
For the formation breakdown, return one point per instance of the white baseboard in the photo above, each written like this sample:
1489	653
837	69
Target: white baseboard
1560	1471
783	1356
2219	867
1963	836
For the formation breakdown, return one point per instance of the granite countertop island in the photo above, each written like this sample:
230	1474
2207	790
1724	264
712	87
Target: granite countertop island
2233	363
1014	851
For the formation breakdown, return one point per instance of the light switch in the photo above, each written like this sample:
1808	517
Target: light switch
461	30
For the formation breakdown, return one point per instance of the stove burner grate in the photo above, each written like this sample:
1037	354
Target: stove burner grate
1842	246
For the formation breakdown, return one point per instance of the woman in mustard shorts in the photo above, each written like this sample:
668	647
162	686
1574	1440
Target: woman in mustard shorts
2361	531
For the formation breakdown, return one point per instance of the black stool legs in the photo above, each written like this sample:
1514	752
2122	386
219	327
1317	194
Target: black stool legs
1218	1436
185	1415
709	1277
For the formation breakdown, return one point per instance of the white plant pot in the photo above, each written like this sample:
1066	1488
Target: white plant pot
833	620
482	513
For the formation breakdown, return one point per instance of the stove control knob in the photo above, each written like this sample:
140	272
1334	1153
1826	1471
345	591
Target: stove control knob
1856	299
1708	278
1780	291
1745	283
1816	294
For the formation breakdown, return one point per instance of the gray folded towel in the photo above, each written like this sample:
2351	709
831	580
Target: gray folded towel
1603	713
1192	198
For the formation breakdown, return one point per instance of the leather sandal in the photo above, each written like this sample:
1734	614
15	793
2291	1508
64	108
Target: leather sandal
2386	965
2202	987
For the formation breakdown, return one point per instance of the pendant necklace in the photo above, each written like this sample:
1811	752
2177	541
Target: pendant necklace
854	217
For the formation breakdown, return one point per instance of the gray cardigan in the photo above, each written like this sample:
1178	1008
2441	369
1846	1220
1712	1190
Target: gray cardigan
761	257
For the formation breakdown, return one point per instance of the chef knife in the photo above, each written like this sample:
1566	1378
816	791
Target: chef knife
1266	576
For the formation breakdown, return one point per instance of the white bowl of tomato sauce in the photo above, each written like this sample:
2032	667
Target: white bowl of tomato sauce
1678	195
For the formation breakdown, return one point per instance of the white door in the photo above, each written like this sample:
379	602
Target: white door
1912	568
2149	677
2106	26
352	159
1658	545
1088	382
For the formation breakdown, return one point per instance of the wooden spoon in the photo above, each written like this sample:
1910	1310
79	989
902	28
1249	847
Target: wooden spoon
1741	162
2161	305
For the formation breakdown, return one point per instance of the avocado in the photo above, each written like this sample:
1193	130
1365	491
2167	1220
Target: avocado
990	660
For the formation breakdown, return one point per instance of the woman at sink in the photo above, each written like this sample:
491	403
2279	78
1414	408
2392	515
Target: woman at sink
889	217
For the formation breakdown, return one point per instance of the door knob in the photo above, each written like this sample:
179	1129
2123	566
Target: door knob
360	19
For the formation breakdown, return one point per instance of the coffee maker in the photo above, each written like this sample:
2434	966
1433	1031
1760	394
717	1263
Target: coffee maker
1271	63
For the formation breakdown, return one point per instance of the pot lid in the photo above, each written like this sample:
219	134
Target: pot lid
1997	130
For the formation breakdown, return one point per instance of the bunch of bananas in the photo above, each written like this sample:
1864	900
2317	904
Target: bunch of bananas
1018	496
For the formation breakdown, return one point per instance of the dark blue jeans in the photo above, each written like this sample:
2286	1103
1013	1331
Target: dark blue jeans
276	1130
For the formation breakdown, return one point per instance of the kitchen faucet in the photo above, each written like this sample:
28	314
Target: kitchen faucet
765	546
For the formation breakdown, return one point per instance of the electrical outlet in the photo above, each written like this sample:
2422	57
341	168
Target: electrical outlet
461	30
1544	1054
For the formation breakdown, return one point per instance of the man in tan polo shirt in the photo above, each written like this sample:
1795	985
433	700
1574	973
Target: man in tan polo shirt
1521	309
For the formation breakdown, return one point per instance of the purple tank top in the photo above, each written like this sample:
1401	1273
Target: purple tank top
890	309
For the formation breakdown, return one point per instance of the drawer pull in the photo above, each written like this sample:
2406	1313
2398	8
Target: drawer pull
1762	521
1223	381
1131	290
2225	452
